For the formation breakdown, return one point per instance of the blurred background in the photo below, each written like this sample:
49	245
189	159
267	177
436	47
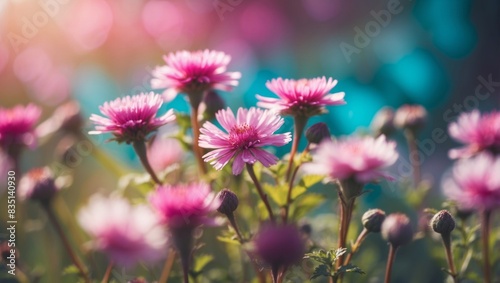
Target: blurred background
441	54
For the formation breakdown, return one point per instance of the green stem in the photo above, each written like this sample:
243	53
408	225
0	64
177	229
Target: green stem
74	258
362	236
390	261
485	236
262	195
140	150
290	186
299	125
449	256
196	137
107	275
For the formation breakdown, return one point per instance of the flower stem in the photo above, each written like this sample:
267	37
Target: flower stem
485	237
195	125
140	150
290	187
167	267
74	258
346	208
299	125
357	244
262	195
449	256
414	156
232	221
390	261
107	274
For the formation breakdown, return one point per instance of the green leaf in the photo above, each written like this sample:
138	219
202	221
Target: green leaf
310	180
305	204
277	193
201	261
348	269
229	240
70	270
321	270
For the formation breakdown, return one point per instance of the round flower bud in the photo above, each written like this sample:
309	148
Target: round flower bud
397	229
317	133
373	219
279	246
383	122
410	117
38	184
228	202
443	222
211	104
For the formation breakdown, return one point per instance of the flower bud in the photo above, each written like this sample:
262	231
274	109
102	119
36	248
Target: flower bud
397	229
228	202
373	219
410	117
443	222
383	122
317	133
212	103
279	246
38	184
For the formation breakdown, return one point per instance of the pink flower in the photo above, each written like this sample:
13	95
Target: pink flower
194	72
475	183
361	158
131	118
480	133
17	128
184	205
164	152
243	139
304	97
125	233
279	246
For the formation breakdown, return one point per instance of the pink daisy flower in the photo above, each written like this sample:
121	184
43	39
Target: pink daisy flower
361	158
127	234
243	138
194	73
17	128
184	205
479	132
475	183
304	97
131	118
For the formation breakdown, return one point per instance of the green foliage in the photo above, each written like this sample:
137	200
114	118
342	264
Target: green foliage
327	260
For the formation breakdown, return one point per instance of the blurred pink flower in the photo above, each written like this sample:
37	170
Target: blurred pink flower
17	128
475	183
125	233
361	158
185	205
164	152
31	64
304	97
193	73
243	138
279	246
131	118
479	132
4	56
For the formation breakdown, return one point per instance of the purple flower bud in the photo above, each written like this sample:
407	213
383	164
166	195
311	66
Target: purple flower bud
279	246
38	184
410	117
317	133
373	219
383	122
228	202
397	229
443	222
212	103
